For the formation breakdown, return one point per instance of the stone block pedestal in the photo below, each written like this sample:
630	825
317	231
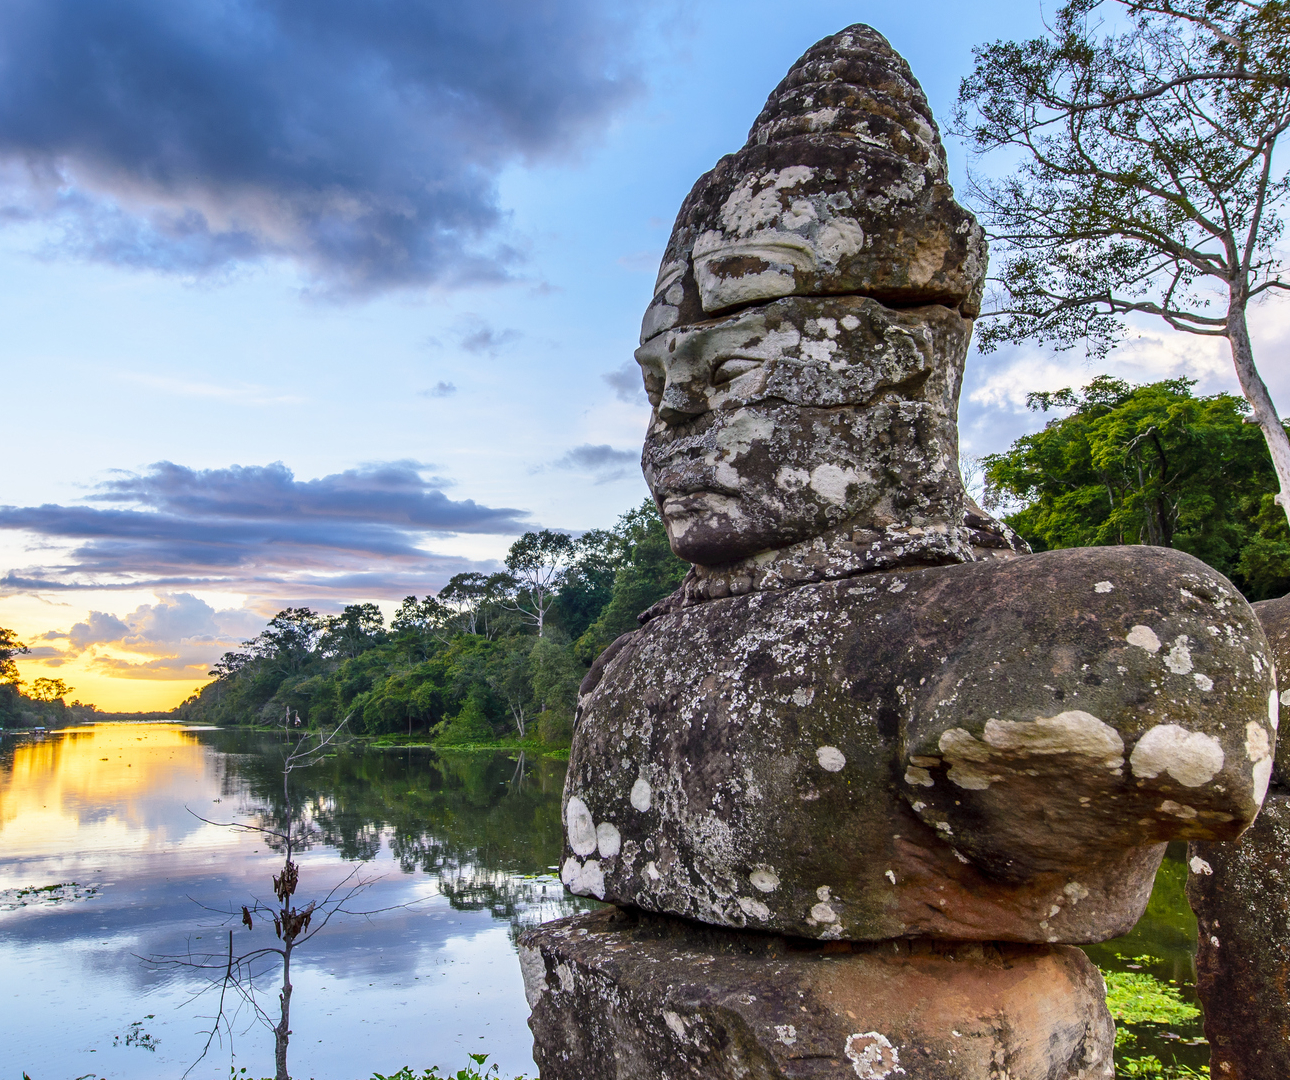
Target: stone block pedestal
624	995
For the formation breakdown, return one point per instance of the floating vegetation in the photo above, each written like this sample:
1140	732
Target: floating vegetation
1134	997
46	895
136	1036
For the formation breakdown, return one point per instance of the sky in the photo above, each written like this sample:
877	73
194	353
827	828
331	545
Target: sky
308	302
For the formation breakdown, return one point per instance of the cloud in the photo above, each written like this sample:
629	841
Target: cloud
479	337
362	142
99	629
626	383
603	461
255	528
440	389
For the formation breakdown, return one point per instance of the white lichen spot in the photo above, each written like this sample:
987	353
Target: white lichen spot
1261	777
565	974
872	1056
890	875
944	826
641	793
580	828
1200	866
786	1033
533	972
961	857
584	879
1103	586
1257	744
764	879
1144	638
1179	658
1274	710
919	777
754	908
831	759
803	695
831	482
919	807
1190	757
608	840
651	871
1203	681
1075	891
675	1023
1178	810
821	912
896	586
1071	732
822	893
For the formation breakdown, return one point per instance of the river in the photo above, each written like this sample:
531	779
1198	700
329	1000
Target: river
459	848
132	824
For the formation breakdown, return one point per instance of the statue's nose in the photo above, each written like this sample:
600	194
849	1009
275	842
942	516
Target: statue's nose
682	401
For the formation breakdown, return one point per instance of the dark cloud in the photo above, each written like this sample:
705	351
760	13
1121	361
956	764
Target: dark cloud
440	389
361	140
603	461
256	528
626	383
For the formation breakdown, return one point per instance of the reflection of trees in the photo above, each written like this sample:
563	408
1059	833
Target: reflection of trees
485	826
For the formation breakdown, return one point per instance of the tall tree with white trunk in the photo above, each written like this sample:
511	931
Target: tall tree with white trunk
1148	178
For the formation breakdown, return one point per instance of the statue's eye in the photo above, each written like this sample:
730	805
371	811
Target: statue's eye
731	369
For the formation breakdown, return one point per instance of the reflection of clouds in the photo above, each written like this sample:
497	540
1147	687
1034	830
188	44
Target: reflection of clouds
467	837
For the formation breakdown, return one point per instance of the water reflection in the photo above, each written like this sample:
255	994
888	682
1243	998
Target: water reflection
472	839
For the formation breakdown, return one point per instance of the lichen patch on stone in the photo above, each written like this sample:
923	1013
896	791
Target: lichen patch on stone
1144	638
1190	757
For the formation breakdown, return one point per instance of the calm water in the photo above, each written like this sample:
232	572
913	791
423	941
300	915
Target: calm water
468	840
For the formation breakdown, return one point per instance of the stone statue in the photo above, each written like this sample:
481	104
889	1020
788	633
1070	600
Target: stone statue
868	715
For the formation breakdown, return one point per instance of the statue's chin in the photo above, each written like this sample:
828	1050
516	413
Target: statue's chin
711	529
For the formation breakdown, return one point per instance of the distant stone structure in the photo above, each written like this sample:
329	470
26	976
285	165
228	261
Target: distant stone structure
1241	895
862	781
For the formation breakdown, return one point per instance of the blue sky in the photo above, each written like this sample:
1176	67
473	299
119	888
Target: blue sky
316	302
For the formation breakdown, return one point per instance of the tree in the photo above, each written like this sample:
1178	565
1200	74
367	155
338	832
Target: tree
474	598
10	647
355	630
539	561
293	926
49	690
1147	465
1150	180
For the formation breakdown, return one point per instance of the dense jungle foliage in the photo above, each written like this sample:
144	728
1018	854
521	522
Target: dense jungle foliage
1148	464
487	657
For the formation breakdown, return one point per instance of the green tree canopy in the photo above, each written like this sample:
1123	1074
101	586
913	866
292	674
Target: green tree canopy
1148	465
1148	178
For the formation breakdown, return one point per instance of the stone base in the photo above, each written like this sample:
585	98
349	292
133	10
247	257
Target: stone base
622	995
1241	895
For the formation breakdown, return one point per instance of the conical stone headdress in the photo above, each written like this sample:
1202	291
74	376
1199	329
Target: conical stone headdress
840	189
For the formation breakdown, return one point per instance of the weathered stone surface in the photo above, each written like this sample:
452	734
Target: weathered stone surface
619	997
790	419
1274	615
991	751
840	189
1241	895
810	412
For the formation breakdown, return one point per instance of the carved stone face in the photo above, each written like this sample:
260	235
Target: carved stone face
784	420
805	344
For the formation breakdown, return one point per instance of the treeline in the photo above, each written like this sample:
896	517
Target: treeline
42	703
489	656
1149	464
